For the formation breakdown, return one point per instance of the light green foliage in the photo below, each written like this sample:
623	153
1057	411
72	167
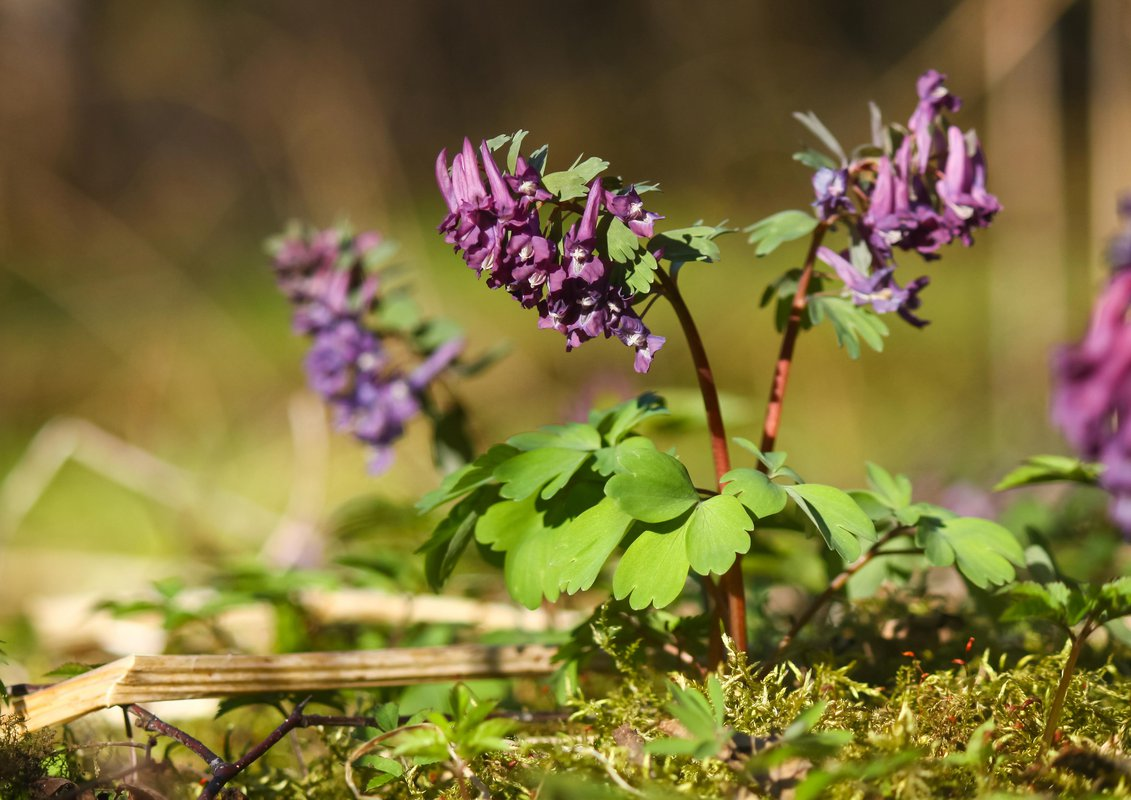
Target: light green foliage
775	230
1068	606
818	129
754	489
651	486
836	516
695	243
571	183
984	552
851	323
1050	468
702	719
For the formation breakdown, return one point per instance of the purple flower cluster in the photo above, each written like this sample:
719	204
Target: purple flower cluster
930	192
323	274
497	228
1092	393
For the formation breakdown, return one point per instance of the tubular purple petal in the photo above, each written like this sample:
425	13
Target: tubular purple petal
588	227
444	179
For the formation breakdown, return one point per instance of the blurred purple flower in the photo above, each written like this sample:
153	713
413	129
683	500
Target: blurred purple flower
934	98
324	276
1091	401
831	188
878	289
962	189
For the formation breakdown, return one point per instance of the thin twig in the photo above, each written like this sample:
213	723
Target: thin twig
818	602
788	341
1056	708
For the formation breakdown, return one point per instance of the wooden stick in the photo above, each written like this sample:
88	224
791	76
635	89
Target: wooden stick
145	679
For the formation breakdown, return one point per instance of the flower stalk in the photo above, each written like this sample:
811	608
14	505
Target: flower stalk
730	594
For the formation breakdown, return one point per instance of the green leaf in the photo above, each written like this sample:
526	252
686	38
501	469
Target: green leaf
389	767
398	312
571	183
622	242
755	490
894	491
617	422
587	543
451	537
774	461
1049	468
696	243
818	129
651	486
641	273
495	142
571	436
468	478
538	158
71	669
518	528
777	229
515	150
1030	600
814	159
841	522
549	467
436	332
984	551
851	323
653	569
506	523
716	532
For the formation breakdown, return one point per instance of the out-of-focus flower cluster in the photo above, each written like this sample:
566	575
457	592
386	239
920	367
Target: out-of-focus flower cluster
927	192
570	279
1092	392
326	275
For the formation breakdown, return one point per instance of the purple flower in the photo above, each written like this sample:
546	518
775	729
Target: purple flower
577	247
878	289
831	188
630	330
962	189
323	274
629	209
527	183
934	98
497	229
1091	401
1119	250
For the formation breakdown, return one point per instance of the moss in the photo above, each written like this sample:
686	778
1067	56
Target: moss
24	757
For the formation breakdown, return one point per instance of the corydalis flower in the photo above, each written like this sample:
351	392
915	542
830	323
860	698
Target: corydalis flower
629	209
323	274
496	227
1092	394
932	190
831	188
878	289
926	193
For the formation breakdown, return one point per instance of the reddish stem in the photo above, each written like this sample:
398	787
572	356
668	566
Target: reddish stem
788	342
730	594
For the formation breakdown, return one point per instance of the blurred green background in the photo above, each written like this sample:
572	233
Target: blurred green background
152	407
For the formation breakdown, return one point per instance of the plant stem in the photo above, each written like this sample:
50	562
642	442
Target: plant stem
818	602
730	598
1057	706
788	341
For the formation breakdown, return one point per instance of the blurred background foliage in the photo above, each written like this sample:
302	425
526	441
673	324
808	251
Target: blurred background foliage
148	148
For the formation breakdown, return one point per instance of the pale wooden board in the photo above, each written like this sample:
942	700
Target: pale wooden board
144	679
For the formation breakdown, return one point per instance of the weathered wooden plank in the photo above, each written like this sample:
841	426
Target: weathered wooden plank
145	679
